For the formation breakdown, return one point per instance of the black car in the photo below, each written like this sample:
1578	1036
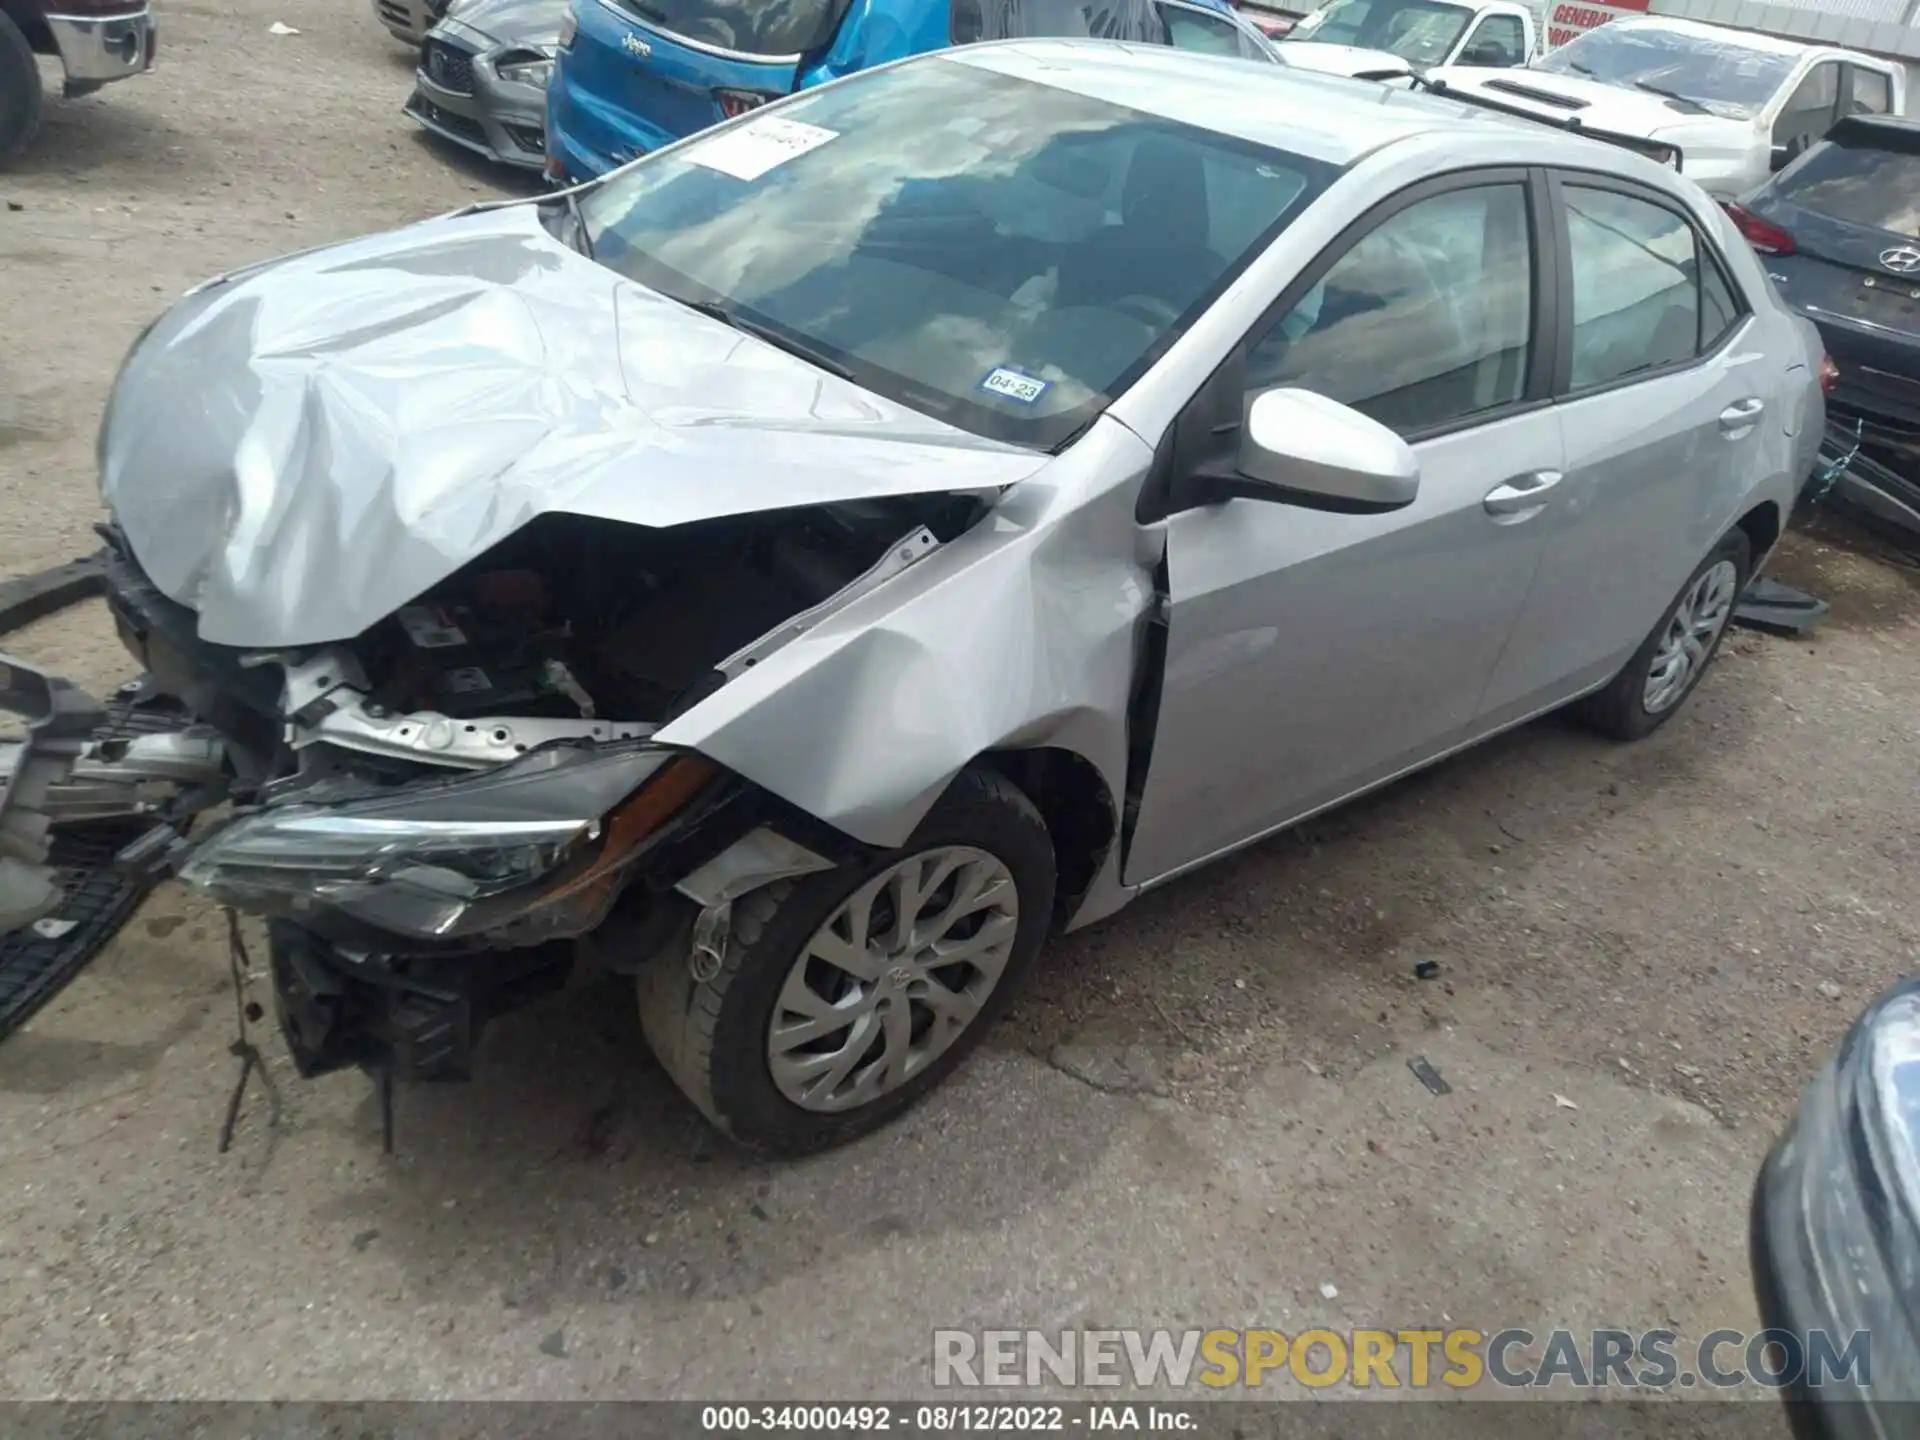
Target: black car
1840	230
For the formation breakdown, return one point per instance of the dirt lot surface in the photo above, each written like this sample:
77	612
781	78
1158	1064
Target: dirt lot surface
1667	936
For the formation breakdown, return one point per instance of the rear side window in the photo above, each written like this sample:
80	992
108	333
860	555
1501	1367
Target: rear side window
788	28
1868	92
1646	294
1138	20
1189	28
1861	184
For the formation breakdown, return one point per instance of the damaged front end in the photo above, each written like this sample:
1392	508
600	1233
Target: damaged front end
432	814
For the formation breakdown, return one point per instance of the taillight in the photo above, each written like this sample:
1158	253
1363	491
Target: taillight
1763	235
739	102
1829	375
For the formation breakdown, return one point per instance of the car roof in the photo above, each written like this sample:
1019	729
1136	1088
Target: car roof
1322	117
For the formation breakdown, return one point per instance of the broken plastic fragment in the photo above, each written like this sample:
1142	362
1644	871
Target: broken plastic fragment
1564	1103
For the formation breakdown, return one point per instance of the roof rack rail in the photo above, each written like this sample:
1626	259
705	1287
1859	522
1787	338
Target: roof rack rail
1658	151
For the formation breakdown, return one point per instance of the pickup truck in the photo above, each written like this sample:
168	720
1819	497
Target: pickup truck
1382	38
95	41
1733	106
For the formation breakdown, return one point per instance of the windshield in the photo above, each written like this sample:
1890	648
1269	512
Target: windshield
1001	254
1423	31
1863	185
752	27
1718	75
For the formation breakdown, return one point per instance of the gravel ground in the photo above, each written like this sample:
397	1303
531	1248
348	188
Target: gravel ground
1669	935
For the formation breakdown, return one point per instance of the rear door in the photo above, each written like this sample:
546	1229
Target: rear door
1666	418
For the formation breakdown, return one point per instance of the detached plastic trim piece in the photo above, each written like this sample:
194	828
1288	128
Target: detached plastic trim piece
97	898
32	597
1778	609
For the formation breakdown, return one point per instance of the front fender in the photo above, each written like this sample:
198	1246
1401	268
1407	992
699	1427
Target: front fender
1019	633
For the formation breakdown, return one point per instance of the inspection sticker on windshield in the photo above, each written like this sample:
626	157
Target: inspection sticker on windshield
756	147
1012	385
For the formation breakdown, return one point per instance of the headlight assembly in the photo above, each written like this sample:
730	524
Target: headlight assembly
428	860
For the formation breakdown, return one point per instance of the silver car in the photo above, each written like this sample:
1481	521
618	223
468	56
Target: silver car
482	80
810	566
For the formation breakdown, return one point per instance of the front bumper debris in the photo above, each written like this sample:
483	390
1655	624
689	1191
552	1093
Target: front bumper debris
416	1017
97	50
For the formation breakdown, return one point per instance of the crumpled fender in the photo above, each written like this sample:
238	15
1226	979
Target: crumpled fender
1020	633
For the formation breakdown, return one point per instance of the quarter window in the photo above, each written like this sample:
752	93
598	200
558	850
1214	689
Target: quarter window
1645	294
1424	321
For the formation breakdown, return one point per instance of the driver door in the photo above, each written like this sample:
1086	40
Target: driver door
1311	654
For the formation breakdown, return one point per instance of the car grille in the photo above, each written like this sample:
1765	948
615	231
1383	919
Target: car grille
448	66
441	118
396	12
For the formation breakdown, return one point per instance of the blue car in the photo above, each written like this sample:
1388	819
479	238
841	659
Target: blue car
634	75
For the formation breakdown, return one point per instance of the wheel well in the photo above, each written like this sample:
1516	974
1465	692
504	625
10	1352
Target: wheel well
1078	808
32	23
1762	527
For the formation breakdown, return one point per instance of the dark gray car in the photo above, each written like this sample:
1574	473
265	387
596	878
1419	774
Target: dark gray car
482	81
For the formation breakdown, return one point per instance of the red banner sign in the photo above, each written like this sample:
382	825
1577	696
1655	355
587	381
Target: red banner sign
1569	18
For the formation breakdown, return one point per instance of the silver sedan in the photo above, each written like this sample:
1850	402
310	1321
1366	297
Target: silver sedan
482	79
806	568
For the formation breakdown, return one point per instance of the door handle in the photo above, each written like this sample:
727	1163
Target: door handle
1523	494
1740	416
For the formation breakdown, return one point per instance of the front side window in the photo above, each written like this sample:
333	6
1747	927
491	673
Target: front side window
1645	293
1424	321
1498	40
1001	254
1423	31
1809	110
1719	76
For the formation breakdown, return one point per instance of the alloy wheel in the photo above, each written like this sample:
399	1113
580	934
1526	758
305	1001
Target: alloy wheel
896	974
1695	625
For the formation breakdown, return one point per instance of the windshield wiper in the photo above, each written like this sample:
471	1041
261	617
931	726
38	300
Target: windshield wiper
718	310
1577	67
1674	95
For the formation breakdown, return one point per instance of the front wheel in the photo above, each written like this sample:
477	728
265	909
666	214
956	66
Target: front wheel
19	91
843	997
1671	660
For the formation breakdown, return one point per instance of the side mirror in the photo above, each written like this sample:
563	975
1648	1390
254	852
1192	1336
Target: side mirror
1299	448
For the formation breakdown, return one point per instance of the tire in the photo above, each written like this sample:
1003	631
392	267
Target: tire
715	1037
1621	711
19	91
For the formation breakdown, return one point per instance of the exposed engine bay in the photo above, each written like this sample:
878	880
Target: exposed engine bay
576	628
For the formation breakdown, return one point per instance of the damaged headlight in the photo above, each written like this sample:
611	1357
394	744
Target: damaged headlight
421	861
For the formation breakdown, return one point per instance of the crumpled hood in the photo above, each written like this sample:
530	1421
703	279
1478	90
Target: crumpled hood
299	450
1340	59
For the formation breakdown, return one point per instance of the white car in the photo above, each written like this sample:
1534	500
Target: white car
1735	105
1374	39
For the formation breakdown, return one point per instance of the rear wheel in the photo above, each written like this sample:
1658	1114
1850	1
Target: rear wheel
1669	663
19	91
843	997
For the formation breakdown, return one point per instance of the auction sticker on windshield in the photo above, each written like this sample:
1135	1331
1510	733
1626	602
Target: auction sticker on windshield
758	146
1014	386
